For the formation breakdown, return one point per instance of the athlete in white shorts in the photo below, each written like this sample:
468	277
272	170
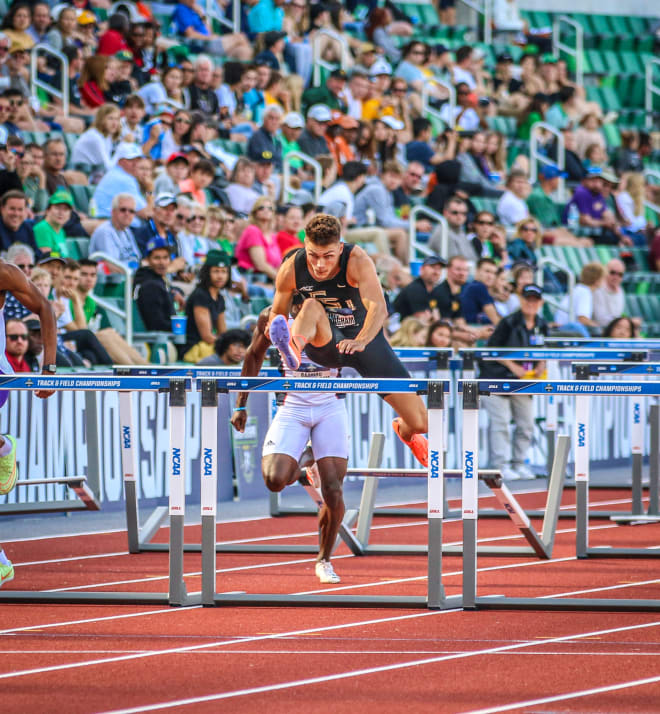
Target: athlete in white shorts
302	416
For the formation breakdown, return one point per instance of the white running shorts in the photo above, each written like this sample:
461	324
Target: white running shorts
326	424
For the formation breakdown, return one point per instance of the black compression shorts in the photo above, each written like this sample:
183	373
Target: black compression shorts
376	360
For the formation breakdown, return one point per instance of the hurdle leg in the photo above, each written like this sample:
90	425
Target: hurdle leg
92	434
555	491
368	499
654	460
177	474
470	491
637	445
209	486
581	456
127	434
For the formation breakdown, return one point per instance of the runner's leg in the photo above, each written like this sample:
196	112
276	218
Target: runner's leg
332	471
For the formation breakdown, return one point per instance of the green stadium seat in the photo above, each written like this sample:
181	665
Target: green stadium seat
594	63
632	63
77	247
81	196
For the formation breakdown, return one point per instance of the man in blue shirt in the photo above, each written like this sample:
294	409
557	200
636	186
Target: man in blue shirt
121	179
476	303
420	149
266	15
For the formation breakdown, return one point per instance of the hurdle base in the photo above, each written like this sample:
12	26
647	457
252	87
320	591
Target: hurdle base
609	552
393	601
631	520
565	604
20	509
80	598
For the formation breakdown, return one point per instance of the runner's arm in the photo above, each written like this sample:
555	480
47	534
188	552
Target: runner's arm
256	352
362	273
285	286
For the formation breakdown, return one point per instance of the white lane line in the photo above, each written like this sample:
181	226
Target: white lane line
221	643
378	670
569	695
72	559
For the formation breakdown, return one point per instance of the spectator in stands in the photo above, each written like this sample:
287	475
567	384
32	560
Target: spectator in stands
97	73
355	93
591	278
540	203
474	167
202	94
114	237
63	33
449	291
502	293
463	69
152	294
522	274
228	350
95	146
205	308
409	194
627	157
33	180
161	226
589	133
121	179
523	328
264	138
312	140
476	301
201	177
411	333
376	199
594	156
22	257
290	130
533	113
240	191
512	206
289	237
171	138
608	297
590	202
10	149
526	241
465	115
55	156
621	328
14	226
630	205
420	149
16	345
177	169
439	334
257	249
420	298
16	24
331	95
564	111
189	22
455	213
41	21
49	232
654	251
480	237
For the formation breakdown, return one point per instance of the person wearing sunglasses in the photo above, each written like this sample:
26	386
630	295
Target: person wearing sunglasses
16	346
114	237
526	241
609	297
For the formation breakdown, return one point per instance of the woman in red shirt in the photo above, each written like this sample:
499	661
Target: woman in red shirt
288	238
95	78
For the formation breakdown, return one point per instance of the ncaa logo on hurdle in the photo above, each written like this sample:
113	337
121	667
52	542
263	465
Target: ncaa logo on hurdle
126	437
469	464
581	435
435	464
637	415
176	462
208	462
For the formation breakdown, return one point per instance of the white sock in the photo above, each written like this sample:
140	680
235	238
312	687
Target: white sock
6	448
3	558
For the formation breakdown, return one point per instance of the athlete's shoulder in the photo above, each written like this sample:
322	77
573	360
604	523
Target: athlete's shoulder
358	263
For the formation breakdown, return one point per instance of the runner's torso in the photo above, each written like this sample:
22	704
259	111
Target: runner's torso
341	301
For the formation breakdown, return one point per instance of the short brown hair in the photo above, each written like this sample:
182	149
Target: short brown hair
323	230
591	273
13	193
393	167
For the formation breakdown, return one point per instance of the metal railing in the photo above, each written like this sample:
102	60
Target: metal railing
213	11
540	268
427	109
127	313
650	89
286	173
35	83
483	7
319	62
413	246
536	156
576	52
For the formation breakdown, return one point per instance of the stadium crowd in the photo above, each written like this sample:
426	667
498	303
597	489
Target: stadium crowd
173	152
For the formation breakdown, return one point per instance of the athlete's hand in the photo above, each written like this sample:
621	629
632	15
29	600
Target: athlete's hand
348	347
45	393
238	420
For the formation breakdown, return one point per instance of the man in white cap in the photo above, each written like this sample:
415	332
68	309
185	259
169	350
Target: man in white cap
312	141
290	130
121	179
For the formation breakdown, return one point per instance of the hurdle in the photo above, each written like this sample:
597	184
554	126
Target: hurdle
538	545
471	391
435	599
586	370
176	388
139	538
85	487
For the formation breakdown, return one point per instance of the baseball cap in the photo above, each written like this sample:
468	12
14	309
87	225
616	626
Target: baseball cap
594	171
177	156
338	74
294	120
392	122
51	259
434	260
440	49
504	57
218	257
165	199
320	112
156	243
265	157
550	171
273	36
532	291
128	151
123	55
20	44
32	322
367	47
610	177
86	17
61	196
345	122
380	67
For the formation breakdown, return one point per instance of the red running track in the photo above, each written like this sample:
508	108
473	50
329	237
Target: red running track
108	658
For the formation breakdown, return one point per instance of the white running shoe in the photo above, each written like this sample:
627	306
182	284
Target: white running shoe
325	572
508	474
525	473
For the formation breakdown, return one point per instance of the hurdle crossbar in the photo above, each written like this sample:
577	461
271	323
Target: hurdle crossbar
87	500
472	390
177	389
435	598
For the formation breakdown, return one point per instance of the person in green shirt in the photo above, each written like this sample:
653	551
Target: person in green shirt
291	128
330	94
49	233
535	112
